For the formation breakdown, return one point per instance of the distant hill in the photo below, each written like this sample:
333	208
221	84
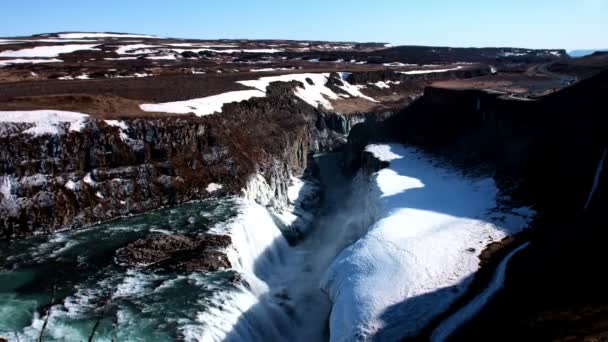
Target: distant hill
582	53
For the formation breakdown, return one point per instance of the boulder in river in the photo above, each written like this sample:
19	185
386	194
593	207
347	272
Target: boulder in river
177	252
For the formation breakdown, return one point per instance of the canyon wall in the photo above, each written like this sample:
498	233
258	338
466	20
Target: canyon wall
116	168
535	143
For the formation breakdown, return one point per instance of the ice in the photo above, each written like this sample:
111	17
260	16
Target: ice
415	259
45	121
47	51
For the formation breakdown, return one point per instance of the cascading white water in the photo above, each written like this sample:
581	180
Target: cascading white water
284	301
596	179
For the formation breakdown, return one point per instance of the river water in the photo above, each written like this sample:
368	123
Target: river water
282	300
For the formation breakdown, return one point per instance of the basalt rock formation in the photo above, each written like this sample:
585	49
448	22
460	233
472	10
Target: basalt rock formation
103	172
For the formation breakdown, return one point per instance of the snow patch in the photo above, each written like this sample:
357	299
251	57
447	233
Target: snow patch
70	185
384	84
203	106
419	72
24	61
45	121
213	187
270	69
47	51
316	94
120	59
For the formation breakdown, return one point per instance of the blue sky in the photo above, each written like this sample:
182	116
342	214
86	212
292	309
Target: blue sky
570	24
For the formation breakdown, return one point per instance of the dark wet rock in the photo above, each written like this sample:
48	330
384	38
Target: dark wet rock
177	252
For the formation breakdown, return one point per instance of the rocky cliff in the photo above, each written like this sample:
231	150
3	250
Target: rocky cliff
116	168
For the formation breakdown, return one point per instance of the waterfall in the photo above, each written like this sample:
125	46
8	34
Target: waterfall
596	179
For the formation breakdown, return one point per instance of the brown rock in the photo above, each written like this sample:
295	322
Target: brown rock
177	252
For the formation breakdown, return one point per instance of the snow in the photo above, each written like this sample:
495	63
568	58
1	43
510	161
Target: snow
147	48
205	105
384	84
167	57
87	179
270	69
447	327
77	35
47	51
120	59
316	95
398	64
133	49
512	54
23	61
230	51
117	123
202	45
419	72
353	90
414	261
596	179
6	188
70	185
45	121
213	187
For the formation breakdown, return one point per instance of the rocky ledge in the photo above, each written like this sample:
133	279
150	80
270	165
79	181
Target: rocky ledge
201	253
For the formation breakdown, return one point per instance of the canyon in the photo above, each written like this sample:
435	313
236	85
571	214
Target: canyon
355	191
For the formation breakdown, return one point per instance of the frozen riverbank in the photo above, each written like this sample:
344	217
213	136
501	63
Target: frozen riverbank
430	223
